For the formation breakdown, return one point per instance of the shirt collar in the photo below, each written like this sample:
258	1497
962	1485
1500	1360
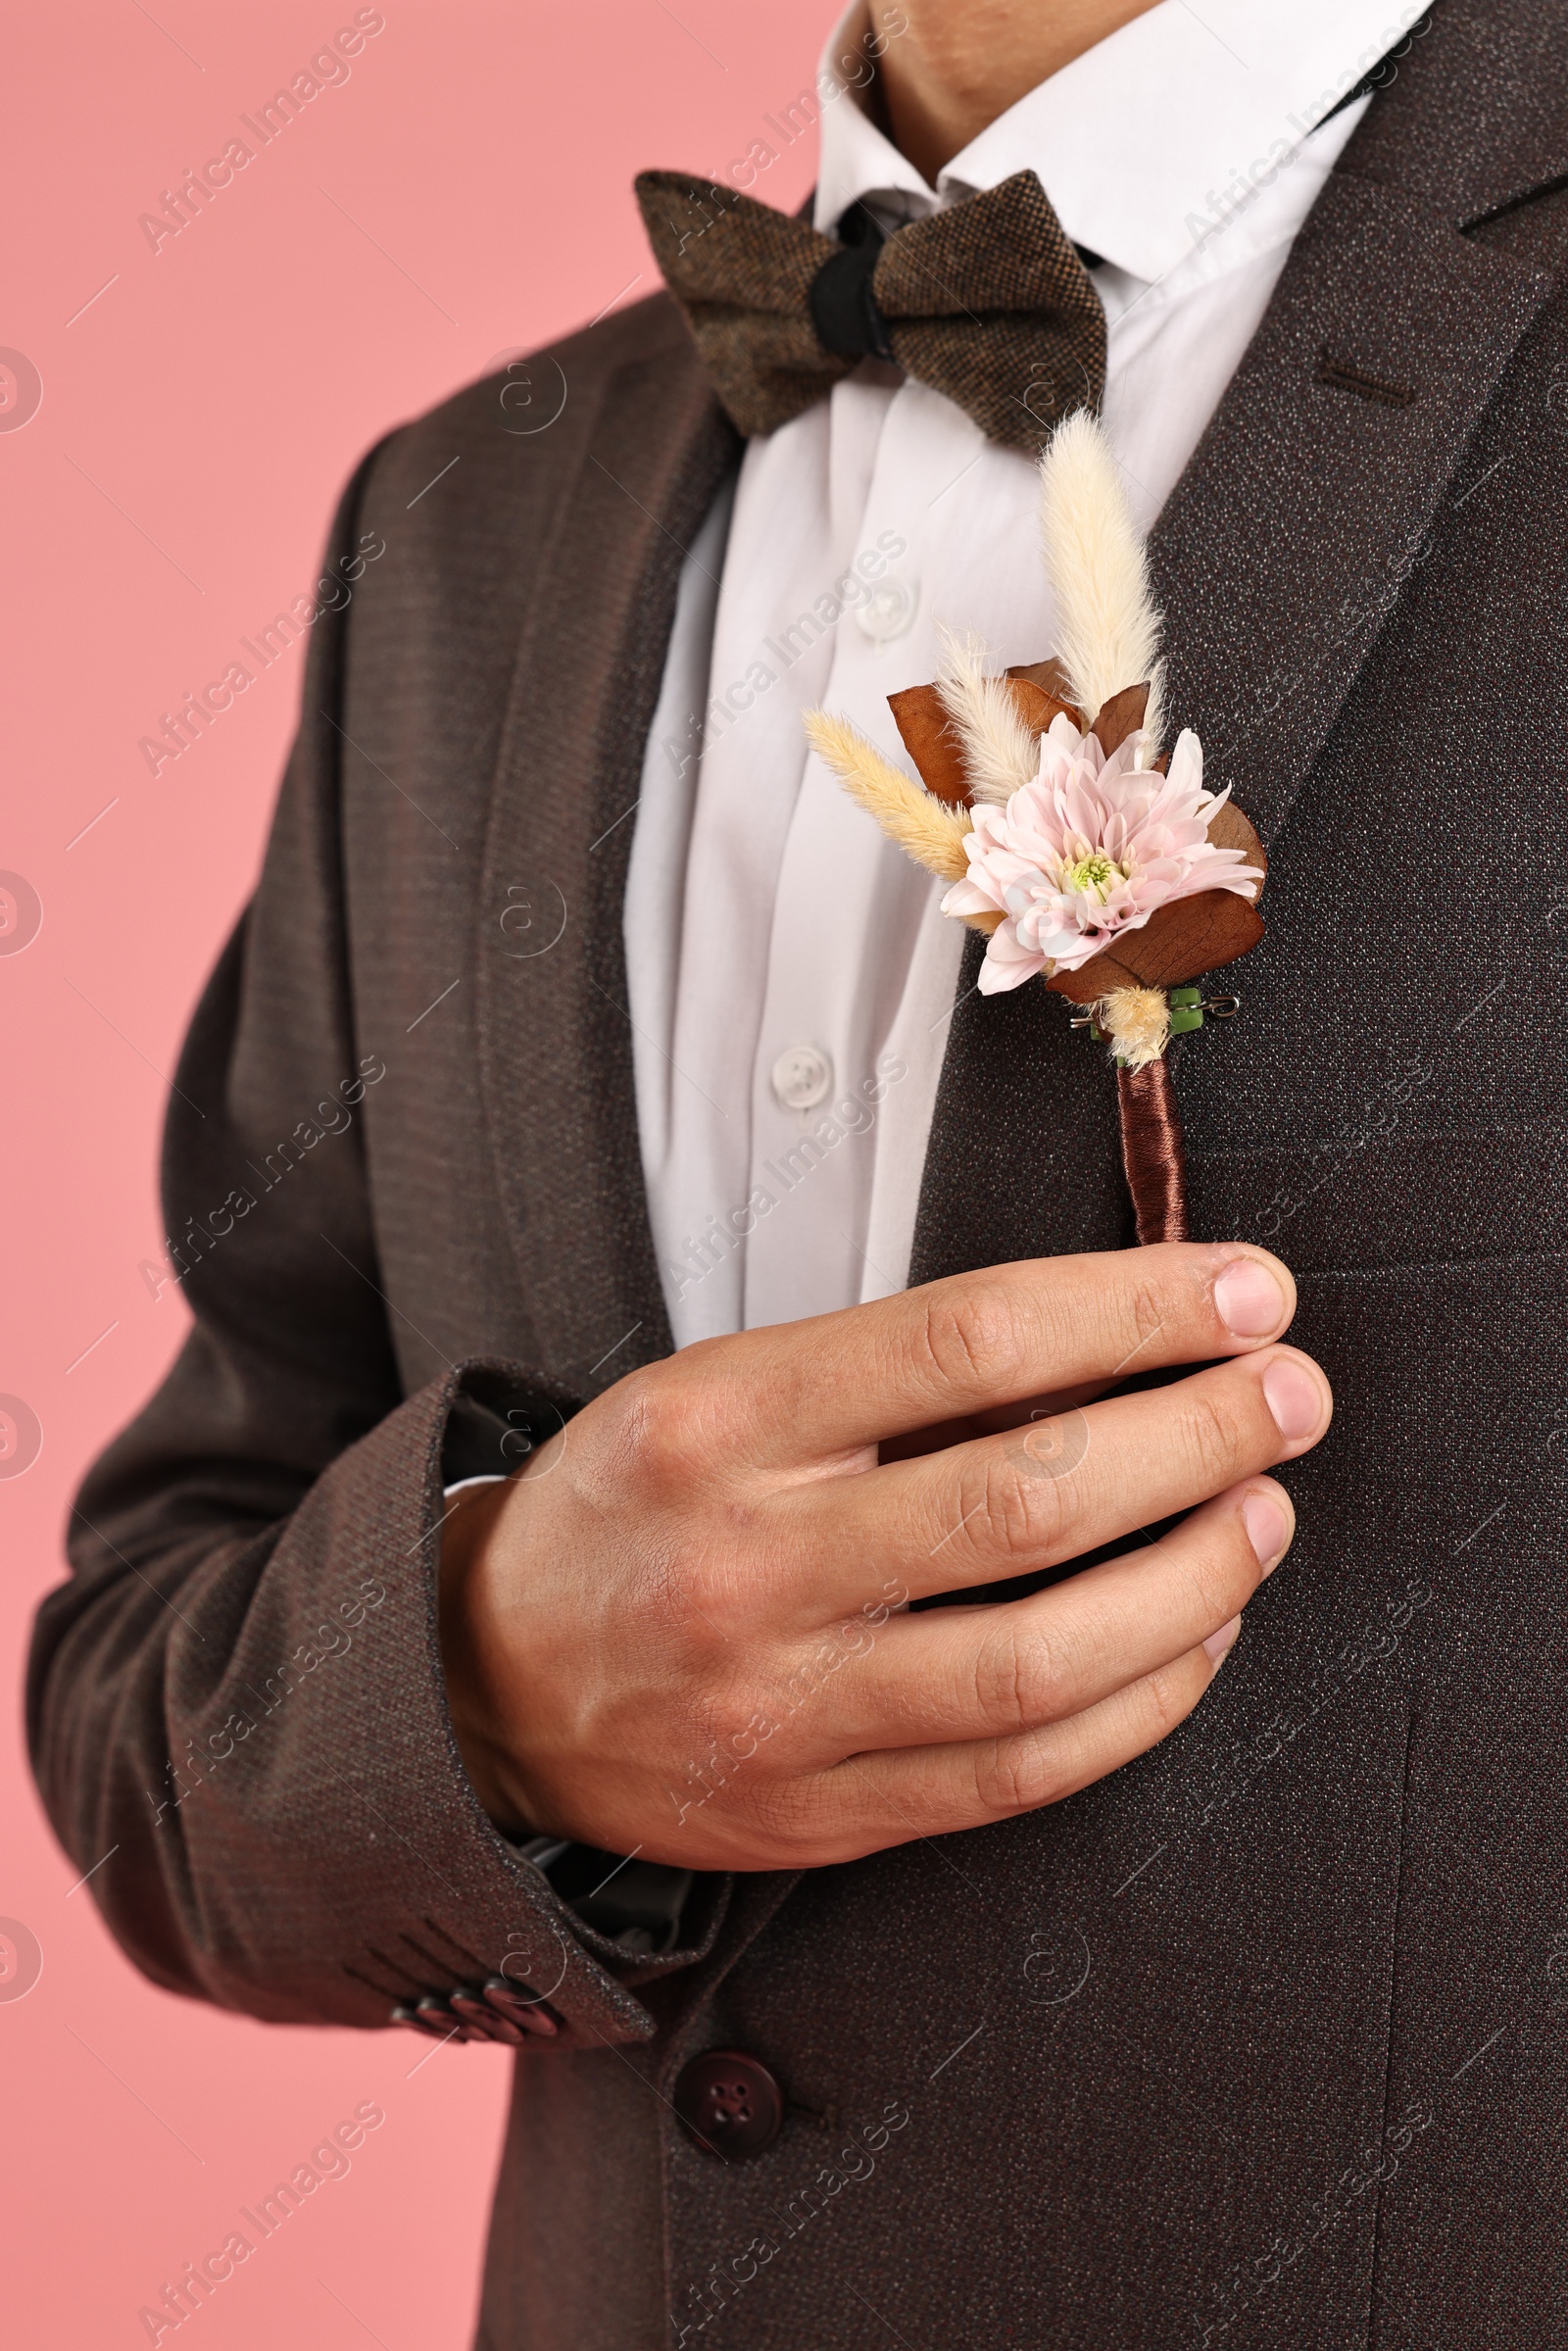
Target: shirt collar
1150	140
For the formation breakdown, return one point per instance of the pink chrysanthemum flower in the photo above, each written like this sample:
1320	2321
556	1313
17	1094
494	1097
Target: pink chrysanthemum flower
1089	849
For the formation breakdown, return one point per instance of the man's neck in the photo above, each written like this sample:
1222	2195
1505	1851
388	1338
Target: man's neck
951	67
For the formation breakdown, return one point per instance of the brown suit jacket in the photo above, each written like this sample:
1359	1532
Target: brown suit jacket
1262	2038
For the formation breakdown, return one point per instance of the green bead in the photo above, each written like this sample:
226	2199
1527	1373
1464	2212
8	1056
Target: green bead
1185	997
1184	1018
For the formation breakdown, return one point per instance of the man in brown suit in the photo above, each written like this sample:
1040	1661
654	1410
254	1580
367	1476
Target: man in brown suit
882	1974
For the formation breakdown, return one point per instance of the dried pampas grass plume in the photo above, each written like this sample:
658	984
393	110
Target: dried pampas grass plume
931	832
999	753
1107	630
1137	1021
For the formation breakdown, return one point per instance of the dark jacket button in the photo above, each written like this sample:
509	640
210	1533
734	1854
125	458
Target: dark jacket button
437	2026
482	2016
518	2005
436	2017
730	2104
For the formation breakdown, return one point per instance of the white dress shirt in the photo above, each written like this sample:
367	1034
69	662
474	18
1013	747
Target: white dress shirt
791	978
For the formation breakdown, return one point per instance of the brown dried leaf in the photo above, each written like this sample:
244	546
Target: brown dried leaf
1229	829
1178	944
1052	679
935	744
1120	717
932	743
1035	705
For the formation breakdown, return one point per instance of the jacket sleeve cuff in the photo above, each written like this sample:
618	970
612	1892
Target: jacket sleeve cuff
318	1853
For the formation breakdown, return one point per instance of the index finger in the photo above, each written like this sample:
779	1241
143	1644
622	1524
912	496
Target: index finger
834	1383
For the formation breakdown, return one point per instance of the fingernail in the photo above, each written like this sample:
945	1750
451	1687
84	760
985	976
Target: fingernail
1292	1395
1247	1300
1266	1529
1218	1644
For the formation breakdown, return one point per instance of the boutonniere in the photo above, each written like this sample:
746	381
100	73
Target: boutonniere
1086	855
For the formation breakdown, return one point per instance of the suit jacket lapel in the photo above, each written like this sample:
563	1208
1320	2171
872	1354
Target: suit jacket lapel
1277	558
1287	541
1285	544
641	467
1478	118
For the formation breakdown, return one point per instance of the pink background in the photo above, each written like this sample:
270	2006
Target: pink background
465	192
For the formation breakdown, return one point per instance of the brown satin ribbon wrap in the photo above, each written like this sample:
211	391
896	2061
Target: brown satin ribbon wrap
1151	1151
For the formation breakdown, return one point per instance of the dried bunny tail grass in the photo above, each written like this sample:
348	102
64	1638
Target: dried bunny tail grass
1137	1021
926	828
999	753
1107	630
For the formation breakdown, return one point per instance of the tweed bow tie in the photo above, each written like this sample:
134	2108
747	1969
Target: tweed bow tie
987	302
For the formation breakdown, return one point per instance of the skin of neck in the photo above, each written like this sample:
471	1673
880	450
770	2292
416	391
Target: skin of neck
951	67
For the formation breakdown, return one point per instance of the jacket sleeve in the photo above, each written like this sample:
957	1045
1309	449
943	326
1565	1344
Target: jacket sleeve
236	1706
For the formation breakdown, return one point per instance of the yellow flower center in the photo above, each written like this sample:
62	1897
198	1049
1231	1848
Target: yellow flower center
1096	874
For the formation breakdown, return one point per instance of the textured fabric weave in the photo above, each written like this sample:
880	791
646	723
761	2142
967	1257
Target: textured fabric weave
987	302
1261	2042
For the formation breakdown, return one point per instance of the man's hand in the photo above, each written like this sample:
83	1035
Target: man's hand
681	1629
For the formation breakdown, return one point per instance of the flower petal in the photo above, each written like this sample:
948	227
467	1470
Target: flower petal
1153	830
1007	965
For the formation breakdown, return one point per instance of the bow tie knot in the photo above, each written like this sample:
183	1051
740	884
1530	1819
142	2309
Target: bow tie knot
987	302
841	299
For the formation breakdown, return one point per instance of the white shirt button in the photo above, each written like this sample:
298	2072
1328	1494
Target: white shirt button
802	1077
889	609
